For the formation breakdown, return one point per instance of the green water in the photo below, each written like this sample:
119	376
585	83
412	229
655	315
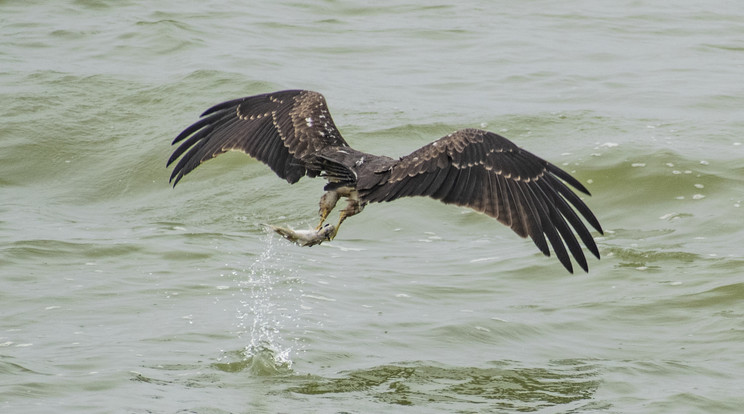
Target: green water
121	294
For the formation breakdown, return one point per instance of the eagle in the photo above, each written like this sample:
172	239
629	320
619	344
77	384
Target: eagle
293	133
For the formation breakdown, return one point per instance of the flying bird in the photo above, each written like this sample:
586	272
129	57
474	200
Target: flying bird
293	133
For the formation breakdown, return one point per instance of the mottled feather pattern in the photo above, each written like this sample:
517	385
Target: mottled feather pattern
488	173
279	129
293	133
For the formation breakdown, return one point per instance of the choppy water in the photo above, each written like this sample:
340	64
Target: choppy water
120	294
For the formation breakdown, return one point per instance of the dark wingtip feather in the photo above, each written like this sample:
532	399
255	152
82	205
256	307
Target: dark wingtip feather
563	175
583	264
566	262
223	105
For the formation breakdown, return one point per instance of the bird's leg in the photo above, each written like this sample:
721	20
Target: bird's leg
353	207
327	204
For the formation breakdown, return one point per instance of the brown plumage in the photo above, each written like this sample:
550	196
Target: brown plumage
293	133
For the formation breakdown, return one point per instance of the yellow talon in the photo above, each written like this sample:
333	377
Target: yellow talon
341	218
323	216
335	232
327	204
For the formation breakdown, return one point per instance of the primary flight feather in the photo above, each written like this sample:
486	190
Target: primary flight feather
293	133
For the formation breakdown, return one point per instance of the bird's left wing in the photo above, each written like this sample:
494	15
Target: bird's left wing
280	129
490	174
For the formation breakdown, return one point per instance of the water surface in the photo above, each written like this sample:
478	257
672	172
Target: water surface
121	294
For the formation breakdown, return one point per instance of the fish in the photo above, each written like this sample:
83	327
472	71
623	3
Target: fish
309	237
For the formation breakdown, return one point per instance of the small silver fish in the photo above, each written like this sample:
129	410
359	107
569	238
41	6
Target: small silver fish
309	237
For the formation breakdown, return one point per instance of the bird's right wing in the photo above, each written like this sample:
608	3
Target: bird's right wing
490	174
280	129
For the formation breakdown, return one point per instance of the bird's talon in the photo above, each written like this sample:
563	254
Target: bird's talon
333	234
493	168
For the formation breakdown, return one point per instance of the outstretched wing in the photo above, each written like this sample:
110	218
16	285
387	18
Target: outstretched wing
280	129
490	174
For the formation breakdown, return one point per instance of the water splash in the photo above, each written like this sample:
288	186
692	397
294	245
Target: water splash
261	315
